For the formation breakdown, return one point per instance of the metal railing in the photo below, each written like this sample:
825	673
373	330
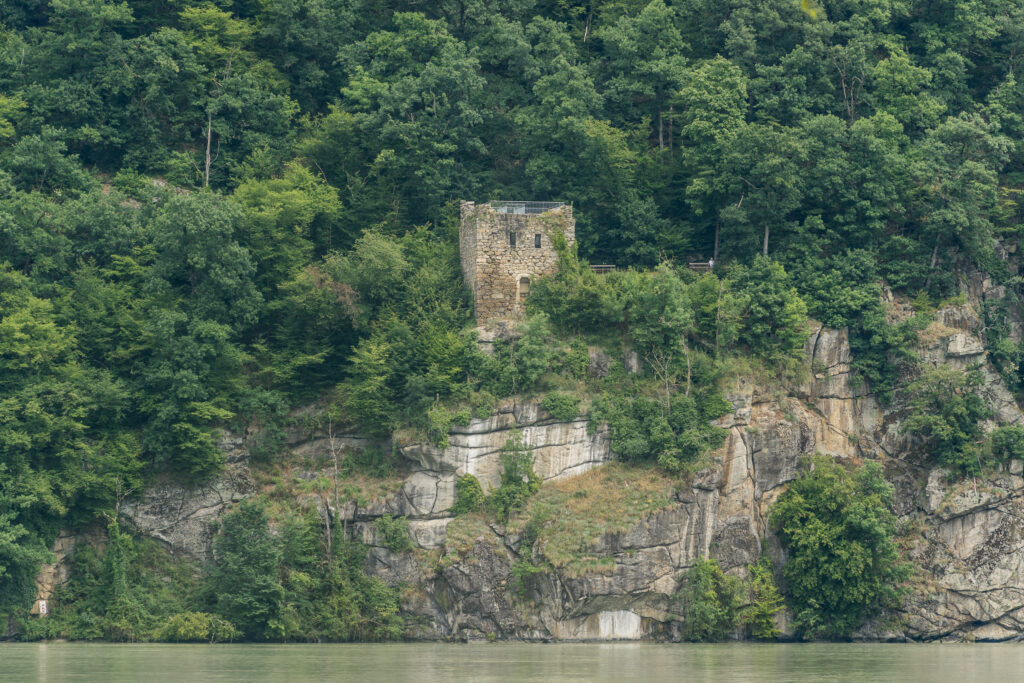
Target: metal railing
529	208
601	269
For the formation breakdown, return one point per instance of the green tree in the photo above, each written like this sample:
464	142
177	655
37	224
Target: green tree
843	563
243	584
946	414
775	317
417	89
709	602
518	479
765	601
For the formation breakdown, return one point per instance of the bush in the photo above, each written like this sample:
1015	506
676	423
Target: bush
765	601
440	421
522	575
838	531
482	404
1007	443
775	320
395	532
196	627
946	412
518	480
244	583
675	437
469	495
709	602
576	362
562	407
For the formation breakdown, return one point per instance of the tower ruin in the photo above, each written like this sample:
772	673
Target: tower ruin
504	246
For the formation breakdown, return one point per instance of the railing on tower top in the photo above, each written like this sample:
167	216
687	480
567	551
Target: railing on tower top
525	207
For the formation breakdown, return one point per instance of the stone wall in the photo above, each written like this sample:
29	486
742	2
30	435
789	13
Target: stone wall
493	268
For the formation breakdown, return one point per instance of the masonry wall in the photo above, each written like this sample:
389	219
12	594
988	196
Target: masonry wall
493	268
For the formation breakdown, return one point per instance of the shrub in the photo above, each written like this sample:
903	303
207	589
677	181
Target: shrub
395	532
946	413
765	601
522	574
482	404
775	320
838	531
440	421
562	407
675	436
709	602
469	495
196	627
518	480
245	583
576	361
1007	443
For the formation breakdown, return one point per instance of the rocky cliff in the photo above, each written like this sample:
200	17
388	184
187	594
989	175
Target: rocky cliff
465	578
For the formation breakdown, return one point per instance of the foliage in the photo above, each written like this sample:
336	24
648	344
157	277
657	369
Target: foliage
518	480
327	594
1007	443
675	435
946	415
562	407
775	318
708	601
212	213
244	585
842	562
469	495
127	594
395	532
765	601
844	291
196	627
522	573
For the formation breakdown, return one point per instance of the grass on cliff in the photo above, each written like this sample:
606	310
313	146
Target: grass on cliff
568	516
364	476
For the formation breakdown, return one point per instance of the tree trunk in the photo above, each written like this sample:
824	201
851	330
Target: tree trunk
718	229
764	247
689	368
661	133
671	151
718	315
209	138
931	267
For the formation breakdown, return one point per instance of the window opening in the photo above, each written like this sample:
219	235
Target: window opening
524	287
512	240
536	240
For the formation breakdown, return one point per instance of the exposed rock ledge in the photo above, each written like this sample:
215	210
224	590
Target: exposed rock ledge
970	551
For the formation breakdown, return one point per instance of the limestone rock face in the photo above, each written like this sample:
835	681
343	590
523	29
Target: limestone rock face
185	518
560	449
968	547
971	567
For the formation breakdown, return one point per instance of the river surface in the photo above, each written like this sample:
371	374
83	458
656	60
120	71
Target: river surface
444	663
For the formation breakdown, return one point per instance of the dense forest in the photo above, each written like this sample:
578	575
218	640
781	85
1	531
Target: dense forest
213	213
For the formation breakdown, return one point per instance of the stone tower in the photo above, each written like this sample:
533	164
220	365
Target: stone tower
504	245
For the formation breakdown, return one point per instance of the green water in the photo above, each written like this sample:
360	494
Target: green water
937	663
